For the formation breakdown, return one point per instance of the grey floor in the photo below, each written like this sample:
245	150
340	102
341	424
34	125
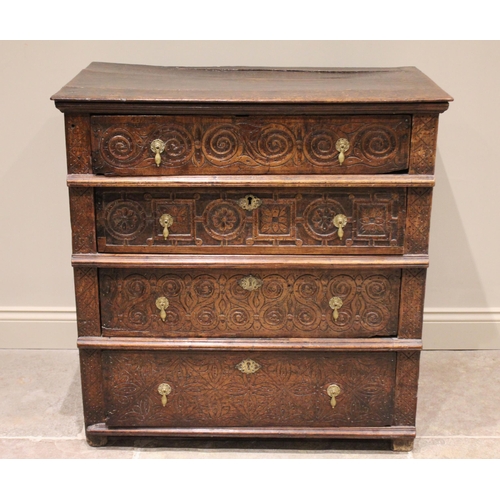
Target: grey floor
41	415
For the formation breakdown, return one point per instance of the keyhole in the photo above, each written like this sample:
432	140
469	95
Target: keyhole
250	200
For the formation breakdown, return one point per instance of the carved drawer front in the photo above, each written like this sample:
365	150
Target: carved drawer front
319	221
235	389
179	145
234	303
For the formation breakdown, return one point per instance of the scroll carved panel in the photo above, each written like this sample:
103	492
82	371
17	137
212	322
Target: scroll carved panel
257	145
214	304
128	220
289	389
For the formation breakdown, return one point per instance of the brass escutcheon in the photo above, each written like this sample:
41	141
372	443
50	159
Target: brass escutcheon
342	145
157	146
333	391
250	283
339	221
249	202
166	220
164	390
248	366
335	303
162	303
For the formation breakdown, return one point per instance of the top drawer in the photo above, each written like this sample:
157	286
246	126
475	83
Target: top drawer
180	145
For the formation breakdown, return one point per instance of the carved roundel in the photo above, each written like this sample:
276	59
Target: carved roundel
319	147
125	219
178	145
377	142
224	220
221	144
119	147
275	145
319	216
273	316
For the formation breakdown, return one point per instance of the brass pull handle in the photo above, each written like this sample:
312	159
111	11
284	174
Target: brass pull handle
250	283
333	391
335	303
249	202
166	220
162	303
158	146
248	366
339	221
164	390
342	145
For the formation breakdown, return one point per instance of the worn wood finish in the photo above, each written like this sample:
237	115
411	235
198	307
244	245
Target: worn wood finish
287	389
214	304
121	145
285	222
269	133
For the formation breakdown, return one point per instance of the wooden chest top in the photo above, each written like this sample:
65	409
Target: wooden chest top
124	83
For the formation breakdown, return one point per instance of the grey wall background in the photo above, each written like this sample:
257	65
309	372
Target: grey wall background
36	283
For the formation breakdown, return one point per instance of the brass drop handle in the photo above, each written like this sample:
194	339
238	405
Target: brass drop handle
342	145
166	220
164	390
335	304
250	283
158	146
162	303
333	391
249	202
340	221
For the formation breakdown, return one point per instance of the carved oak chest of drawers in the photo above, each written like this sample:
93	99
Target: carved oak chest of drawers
250	248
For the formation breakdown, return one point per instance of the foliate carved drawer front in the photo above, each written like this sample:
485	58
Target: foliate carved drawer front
251	221
235	389
281	303
174	145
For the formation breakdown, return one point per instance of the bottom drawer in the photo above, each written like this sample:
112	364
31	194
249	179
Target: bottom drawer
243	388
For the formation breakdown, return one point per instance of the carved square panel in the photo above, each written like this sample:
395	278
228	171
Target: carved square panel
275	219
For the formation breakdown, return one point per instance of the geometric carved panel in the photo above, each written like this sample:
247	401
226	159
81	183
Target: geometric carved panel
87	301
289	389
418	220
121	145
78	153
212	303
423	144
405	403
128	220
412	303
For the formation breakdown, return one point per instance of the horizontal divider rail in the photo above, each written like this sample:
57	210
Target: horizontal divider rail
339	344
253	181
247	261
289	432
